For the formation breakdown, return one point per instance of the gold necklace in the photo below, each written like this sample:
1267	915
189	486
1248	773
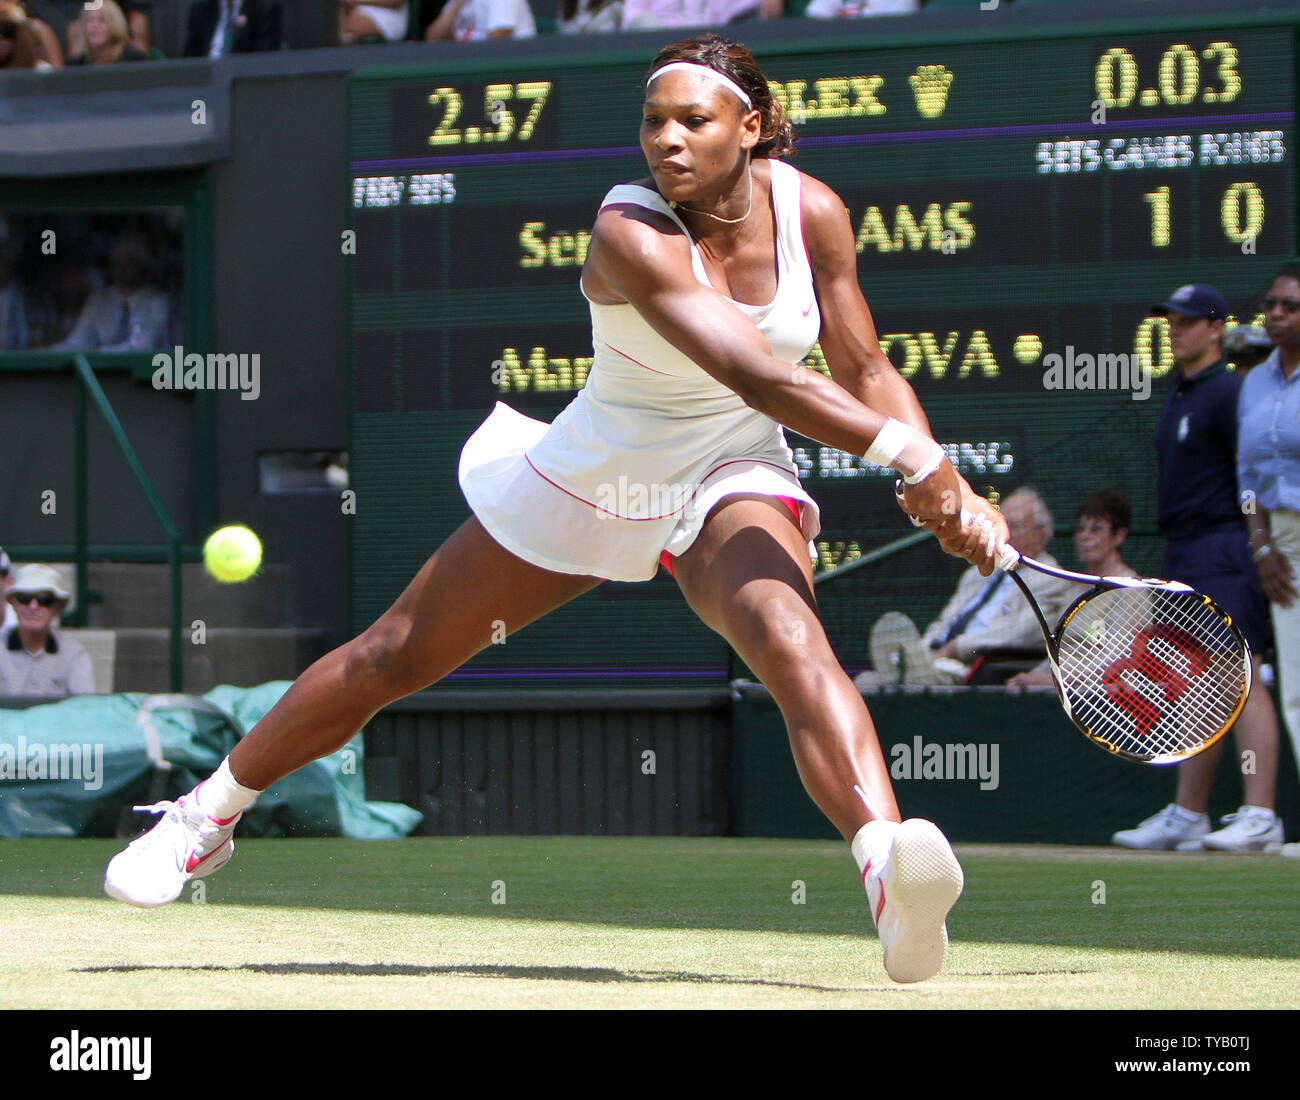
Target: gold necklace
715	217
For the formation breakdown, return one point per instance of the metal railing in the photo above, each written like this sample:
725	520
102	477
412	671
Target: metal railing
880	553
88	387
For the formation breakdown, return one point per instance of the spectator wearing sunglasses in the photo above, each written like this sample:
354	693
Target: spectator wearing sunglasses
1268	470
34	660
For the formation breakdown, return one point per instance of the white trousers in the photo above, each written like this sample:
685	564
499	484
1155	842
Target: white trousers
1285	531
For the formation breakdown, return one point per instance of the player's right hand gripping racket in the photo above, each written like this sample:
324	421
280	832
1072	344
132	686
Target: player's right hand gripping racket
1150	670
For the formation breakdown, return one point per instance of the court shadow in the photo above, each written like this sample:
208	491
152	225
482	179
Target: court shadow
595	974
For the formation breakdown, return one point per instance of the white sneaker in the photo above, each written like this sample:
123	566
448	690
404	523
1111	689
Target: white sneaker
184	845
911	887
1290	851
898	652
1250	829
1164	832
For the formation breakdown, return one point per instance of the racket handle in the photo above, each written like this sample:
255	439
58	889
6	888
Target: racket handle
1008	557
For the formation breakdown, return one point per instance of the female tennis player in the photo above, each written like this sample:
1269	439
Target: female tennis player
708	281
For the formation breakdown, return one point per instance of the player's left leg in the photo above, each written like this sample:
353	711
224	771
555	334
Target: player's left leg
749	578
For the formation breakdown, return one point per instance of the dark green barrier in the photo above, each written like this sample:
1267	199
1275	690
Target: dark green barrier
1050	785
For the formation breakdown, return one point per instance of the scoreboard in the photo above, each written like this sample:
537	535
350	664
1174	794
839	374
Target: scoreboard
1018	206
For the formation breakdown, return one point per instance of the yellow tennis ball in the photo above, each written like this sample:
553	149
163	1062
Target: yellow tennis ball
232	554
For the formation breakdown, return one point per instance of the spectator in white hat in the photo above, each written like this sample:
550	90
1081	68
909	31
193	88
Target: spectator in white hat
33	659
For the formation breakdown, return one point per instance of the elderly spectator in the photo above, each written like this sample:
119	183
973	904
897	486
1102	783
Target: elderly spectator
475	20
987	617
220	27
106	38
128	315
34	660
386	19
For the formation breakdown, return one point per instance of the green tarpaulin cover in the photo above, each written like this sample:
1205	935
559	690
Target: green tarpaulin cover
75	767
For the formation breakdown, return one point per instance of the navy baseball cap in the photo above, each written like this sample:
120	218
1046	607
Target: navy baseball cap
1195	300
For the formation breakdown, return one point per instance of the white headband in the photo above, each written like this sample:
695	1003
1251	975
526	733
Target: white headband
705	71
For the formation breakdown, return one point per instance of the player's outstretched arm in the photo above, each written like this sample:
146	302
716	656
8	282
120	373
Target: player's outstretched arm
639	257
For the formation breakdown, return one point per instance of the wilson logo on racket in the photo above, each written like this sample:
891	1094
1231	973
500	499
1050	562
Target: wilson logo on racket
1155	670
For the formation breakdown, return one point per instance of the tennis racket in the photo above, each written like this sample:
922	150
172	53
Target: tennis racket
1150	670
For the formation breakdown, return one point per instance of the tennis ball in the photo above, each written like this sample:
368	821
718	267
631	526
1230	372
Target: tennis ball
232	554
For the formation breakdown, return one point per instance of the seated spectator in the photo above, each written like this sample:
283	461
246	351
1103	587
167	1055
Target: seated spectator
987	617
386	19
475	20
107	38
10	616
34	660
22	46
139	33
589	16
39	20
220	27
859	9
13	302
128	315
1100	527
651	14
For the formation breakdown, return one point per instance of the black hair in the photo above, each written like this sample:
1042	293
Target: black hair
1109	505
777	137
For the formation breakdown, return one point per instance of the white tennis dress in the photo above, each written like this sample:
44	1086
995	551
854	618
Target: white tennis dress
651	443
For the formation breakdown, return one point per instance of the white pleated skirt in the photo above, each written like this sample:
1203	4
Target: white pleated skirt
614	527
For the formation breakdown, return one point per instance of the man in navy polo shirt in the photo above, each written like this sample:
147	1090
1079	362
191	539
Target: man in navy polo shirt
1207	547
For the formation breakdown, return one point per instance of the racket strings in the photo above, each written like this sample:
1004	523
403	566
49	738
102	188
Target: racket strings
1155	674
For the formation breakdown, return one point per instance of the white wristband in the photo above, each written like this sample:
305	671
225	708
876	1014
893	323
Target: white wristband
931	464
889	443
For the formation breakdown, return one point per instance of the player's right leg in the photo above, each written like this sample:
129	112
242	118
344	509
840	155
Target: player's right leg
465	596
748	577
